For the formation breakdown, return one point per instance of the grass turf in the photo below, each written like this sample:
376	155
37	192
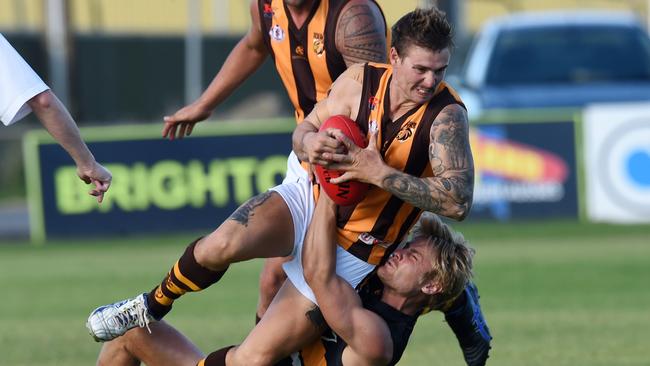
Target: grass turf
554	293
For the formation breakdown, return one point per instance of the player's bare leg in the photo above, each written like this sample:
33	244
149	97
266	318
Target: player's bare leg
168	347
271	279
260	228
290	323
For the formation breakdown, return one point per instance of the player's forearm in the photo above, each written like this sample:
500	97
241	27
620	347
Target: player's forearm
59	123
319	247
449	196
241	63
334	295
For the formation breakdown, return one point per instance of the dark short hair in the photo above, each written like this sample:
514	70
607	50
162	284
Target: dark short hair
426	28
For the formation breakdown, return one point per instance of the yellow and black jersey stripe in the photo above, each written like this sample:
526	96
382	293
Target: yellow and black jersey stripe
306	58
369	229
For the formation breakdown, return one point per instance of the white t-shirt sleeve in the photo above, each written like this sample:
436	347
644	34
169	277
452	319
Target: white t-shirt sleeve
18	84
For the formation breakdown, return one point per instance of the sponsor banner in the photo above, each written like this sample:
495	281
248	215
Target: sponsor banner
617	160
524	170
158	185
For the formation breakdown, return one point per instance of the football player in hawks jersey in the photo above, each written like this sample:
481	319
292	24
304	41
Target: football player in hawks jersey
371	329
418	159
311	43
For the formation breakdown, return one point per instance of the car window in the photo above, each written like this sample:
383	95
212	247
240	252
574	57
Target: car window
570	54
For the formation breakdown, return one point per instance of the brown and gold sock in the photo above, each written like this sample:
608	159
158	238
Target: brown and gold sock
216	358
186	276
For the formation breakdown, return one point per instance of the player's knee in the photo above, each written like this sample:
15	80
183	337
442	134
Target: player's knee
271	281
379	355
216	252
119	350
132	339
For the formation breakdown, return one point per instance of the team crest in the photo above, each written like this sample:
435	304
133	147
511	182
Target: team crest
406	132
319	44
277	33
300	51
372	126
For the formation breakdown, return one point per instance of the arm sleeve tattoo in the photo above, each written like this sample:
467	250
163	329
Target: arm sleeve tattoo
449	192
361	34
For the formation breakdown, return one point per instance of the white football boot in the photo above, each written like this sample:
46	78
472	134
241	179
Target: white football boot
111	321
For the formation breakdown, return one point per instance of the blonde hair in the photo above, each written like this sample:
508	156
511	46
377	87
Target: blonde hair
451	267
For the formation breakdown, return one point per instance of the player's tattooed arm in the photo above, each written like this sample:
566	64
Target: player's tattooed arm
361	33
449	192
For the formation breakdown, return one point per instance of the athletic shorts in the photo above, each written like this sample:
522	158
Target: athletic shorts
300	199
295	171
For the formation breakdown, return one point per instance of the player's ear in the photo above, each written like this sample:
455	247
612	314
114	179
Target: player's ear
431	288
393	56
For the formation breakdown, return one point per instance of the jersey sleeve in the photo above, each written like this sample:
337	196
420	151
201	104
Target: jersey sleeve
18	84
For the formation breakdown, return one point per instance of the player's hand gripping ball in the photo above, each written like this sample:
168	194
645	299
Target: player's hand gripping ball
350	192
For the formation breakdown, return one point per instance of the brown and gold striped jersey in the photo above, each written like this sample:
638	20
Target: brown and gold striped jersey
370	229
306	58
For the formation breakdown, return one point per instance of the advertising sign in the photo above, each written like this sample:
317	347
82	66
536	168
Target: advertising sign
158	185
617	157
524	170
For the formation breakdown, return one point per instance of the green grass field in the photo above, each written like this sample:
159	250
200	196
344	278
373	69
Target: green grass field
553	293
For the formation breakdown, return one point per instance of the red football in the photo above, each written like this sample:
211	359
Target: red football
350	192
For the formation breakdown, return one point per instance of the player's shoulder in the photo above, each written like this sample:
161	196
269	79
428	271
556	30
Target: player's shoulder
354	3
365	12
354	73
362	9
451	114
445	90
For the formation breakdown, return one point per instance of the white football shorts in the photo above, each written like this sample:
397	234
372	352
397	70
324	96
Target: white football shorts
300	199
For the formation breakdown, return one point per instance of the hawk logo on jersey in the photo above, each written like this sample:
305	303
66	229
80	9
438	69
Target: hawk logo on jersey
268	11
372	126
406	132
277	33
300	51
319	44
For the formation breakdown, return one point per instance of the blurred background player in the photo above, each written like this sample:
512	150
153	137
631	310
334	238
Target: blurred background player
22	91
